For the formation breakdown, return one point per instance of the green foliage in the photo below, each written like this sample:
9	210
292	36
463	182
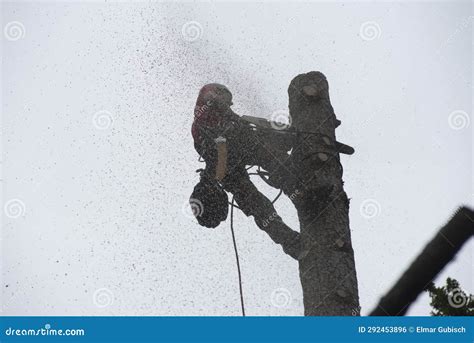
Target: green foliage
450	300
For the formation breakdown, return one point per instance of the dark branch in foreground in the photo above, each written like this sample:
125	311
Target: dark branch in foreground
434	257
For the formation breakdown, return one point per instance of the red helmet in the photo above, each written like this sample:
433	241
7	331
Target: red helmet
213	100
214	95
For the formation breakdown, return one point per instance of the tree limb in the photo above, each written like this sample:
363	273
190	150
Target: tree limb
434	257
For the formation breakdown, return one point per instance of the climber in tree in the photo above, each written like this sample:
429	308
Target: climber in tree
228	145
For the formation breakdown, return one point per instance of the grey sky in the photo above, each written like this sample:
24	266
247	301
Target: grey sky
105	229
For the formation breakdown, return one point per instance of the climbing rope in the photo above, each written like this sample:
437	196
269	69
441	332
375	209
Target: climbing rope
232	206
237	256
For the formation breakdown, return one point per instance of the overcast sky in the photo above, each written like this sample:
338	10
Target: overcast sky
98	161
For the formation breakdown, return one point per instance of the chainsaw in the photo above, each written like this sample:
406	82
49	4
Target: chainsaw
283	135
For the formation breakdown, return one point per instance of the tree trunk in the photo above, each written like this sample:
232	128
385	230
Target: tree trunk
327	268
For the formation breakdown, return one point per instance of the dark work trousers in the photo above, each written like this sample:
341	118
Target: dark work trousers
249	151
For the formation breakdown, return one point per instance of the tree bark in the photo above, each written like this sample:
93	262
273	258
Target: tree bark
434	257
326	264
